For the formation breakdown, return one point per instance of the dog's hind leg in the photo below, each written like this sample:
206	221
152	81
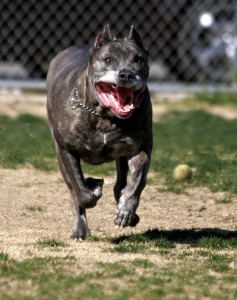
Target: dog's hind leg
84	192
80	229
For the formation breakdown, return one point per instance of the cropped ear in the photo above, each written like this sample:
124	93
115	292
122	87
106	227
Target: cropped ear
103	37
135	36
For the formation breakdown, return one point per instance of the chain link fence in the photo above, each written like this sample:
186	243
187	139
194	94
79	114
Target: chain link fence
191	41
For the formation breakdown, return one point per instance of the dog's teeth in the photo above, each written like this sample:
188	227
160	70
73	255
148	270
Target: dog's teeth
130	102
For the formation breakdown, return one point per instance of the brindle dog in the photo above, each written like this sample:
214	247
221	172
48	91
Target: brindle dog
99	110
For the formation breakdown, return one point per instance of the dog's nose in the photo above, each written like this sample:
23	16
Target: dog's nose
126	76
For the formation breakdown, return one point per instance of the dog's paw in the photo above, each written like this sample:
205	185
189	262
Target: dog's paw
125	214
125	217
95	185
80	235
135	220
124	220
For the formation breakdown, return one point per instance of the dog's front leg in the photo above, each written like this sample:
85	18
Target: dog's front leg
122	173
125	214
84	192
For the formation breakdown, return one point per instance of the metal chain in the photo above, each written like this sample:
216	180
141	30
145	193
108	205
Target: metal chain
75	103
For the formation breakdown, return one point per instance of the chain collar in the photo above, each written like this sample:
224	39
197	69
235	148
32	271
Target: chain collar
75	103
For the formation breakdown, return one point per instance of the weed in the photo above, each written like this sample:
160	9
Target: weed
94	238
3	256
218	263
148	242
227	199
114	270
51	243
162	242
174	188
34	208
145	263
217	243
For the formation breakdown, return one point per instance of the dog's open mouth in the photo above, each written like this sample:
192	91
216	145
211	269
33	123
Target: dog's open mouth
122	101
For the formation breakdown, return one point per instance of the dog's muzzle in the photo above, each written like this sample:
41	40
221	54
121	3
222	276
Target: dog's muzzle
121	100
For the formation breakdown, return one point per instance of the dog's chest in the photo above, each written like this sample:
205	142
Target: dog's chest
109	144
100	143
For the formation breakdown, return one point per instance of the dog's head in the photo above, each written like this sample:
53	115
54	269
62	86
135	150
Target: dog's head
120	71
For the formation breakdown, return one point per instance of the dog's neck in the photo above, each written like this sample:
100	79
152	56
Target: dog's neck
77	102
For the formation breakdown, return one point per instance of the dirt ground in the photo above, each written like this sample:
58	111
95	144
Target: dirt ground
35	206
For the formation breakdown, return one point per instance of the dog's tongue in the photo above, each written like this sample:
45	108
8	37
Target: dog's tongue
118	99
124	96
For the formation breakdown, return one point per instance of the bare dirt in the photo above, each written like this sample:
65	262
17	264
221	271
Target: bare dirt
35	206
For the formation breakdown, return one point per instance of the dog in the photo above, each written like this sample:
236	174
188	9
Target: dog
99	110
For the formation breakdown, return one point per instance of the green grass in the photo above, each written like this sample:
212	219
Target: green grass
152	241
205	142
216	98
200	270
167	264
201	140
53	243
25	141
35	208
217	243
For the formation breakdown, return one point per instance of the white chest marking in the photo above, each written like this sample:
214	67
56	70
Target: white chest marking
105	141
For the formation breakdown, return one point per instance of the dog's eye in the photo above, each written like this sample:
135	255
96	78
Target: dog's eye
108	60
138	59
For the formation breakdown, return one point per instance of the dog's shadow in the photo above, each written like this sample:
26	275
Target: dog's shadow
177	236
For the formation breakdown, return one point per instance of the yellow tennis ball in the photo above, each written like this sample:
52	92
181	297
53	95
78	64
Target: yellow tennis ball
182	173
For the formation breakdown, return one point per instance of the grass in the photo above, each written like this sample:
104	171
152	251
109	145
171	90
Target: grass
25	141
167	264
199	271
217	243
152	241
53	243
201	140
204	141
216	98
35	208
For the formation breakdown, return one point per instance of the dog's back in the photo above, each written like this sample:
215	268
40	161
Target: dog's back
64	70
